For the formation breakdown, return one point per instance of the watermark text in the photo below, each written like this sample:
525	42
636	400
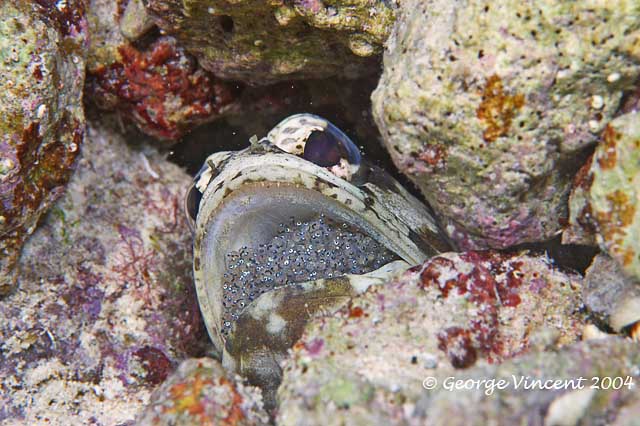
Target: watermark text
490	385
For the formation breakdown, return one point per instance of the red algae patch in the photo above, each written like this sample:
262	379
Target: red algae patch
162	88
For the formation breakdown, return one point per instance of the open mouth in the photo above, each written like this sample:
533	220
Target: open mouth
290	214
268	235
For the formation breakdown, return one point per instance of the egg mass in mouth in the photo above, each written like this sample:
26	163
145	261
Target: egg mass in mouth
300	251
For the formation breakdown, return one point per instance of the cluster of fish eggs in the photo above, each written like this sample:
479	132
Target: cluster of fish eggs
299	252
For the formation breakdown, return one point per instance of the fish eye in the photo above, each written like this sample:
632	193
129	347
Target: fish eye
192	204
322	149
316	140
193	197
328	146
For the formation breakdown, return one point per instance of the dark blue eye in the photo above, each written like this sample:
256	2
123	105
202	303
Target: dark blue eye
322	149
192	200
192	203
326	147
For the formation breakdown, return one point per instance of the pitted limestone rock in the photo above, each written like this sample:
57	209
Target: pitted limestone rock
489	106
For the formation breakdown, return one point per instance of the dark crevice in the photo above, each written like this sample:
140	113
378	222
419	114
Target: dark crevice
226	22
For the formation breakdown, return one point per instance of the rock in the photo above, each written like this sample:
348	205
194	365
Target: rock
629	415
157	85
262	42
365	365
199	392
614	194
103	17
604	204
135	21
42	50
580	229
106	308
489	107
572	402
616	169
610	296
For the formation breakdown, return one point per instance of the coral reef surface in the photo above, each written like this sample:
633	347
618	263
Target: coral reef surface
106	306
262	42
42	50
365	364
489	107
